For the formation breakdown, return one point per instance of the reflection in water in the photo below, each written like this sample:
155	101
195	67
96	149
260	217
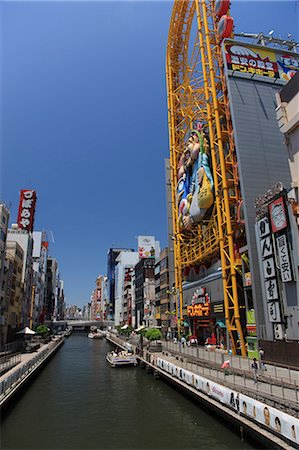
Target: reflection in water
79	402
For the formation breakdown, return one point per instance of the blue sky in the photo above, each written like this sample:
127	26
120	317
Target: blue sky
84	120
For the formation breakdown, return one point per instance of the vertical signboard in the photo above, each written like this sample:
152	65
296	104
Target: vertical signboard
269	271
26	209
279	226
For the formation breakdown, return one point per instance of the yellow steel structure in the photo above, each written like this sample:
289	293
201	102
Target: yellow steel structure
197	91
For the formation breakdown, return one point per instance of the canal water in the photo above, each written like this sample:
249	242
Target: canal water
79	402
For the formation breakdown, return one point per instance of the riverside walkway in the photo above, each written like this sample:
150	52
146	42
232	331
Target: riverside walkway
278	386
29	363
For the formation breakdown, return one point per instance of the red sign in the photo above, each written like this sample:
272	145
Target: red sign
26	209
278	215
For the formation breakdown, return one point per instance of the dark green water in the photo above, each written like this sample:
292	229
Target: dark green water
79	402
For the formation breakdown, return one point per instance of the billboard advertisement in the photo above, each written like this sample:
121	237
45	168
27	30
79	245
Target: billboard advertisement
146	247
260	60
195	185
26	209
271	418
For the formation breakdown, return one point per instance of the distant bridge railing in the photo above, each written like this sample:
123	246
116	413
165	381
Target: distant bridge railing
84	323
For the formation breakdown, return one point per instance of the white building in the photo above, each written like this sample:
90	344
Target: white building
25	240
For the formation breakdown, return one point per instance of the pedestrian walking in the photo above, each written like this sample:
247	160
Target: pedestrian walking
262	361
254	367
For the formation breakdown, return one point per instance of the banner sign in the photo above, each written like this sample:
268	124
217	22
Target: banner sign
26	209
260	60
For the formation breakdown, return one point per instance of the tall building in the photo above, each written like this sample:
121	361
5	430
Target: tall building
125	261
164	305
111	264
25	240
40	254
14	295
4	218
51	290
144	290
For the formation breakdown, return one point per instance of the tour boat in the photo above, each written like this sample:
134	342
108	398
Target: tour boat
95	335
121	359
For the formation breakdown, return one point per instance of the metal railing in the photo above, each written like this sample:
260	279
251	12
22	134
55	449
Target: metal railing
240	373
7	362
9	383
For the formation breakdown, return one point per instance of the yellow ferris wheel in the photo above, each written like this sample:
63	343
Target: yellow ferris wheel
199	123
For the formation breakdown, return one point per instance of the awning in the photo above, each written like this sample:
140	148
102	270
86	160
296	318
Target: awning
124	327
140	328
220	324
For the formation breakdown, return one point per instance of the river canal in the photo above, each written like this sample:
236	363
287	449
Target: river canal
79	402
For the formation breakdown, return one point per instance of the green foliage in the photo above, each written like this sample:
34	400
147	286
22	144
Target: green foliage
125	332
43	330
143	332
153	334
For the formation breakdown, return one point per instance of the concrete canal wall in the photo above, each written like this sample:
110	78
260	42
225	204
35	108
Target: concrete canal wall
270	426
15	379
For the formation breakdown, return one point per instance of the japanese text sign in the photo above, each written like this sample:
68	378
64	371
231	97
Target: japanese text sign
199	310
284	259
278	215
259	60
26	209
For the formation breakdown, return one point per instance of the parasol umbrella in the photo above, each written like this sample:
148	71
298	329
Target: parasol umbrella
26	331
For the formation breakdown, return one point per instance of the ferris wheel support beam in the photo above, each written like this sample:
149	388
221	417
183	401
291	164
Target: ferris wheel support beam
229	237
202	96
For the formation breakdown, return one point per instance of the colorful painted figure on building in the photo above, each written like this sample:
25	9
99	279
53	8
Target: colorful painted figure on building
195	182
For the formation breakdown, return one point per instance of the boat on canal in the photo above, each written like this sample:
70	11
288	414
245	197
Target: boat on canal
121	359
96	335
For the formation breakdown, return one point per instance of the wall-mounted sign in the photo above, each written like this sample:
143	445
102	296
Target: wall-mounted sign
269	268
284	259
146	246
274	312
271	289
278	215
199	310
261	61
264	227
278	331
26	209
200	296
